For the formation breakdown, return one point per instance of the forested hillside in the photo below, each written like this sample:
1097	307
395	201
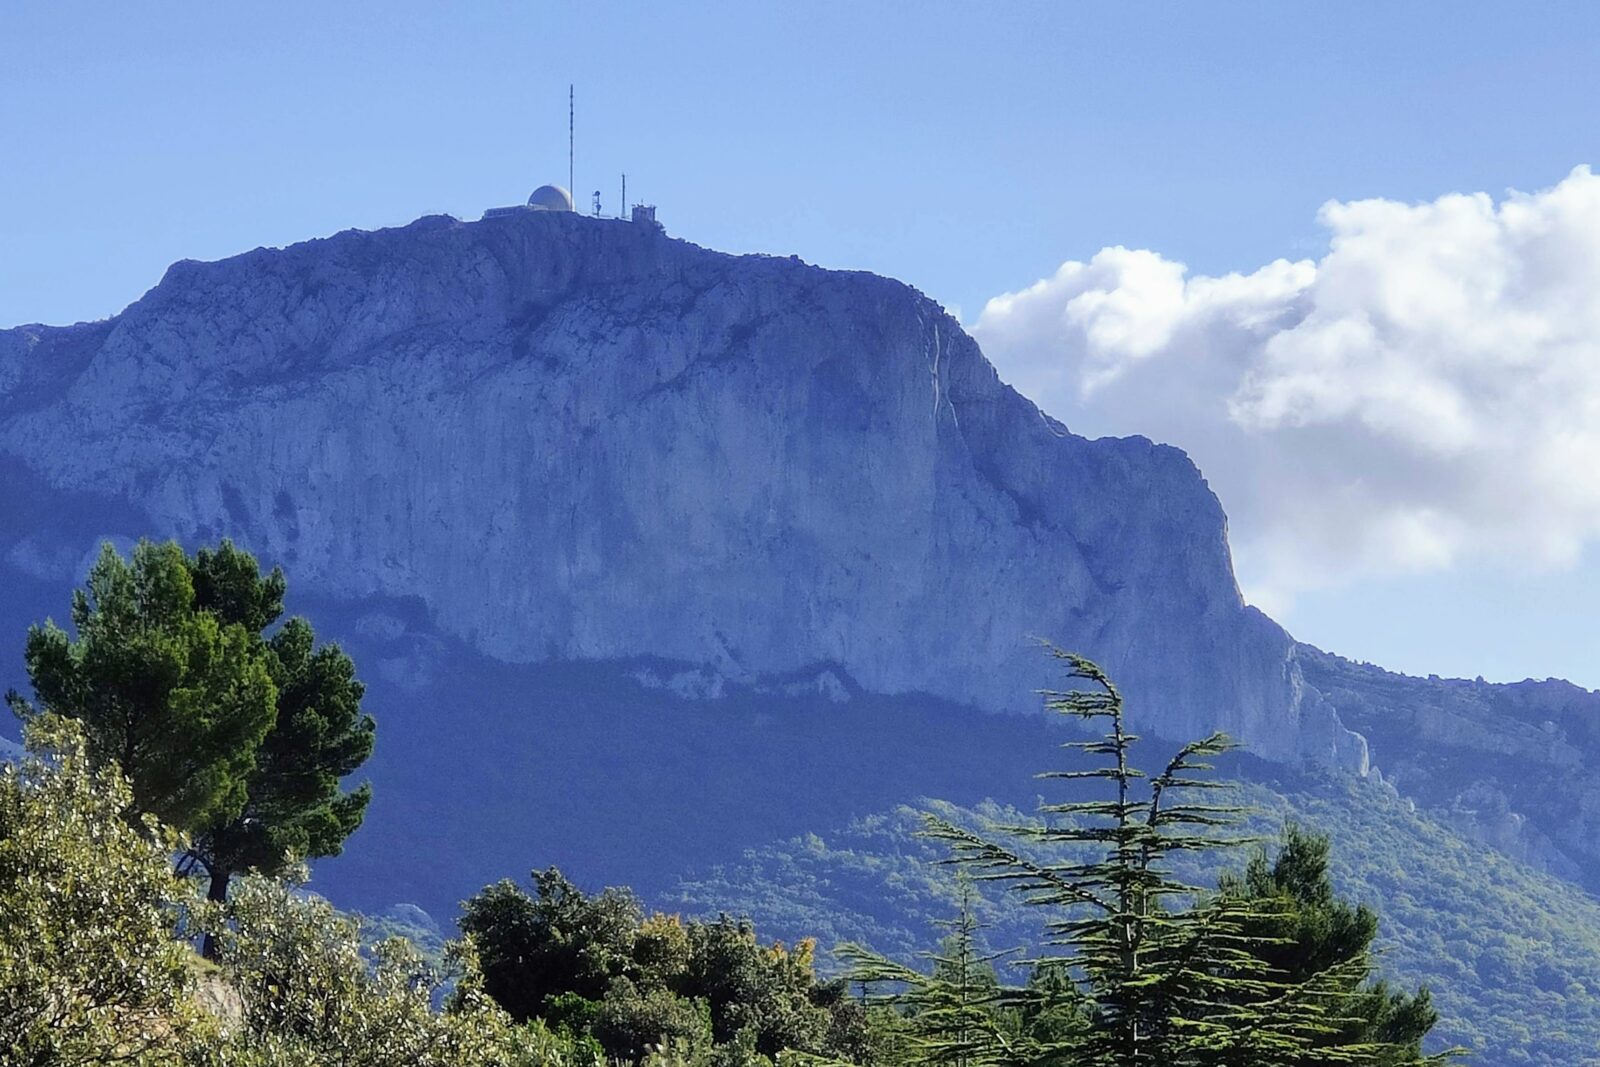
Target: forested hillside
1510	955
167	724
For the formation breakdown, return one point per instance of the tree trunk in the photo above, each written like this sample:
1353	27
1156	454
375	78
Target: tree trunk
217	893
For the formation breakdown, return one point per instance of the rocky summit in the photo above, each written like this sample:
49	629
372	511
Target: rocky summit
578	439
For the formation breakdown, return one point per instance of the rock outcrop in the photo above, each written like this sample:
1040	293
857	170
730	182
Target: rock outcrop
1511	765
579	439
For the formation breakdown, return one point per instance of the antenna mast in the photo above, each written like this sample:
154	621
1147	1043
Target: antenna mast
570	111
622	212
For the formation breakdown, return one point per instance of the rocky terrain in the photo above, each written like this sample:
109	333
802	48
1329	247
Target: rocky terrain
551	439
1507	764
578	439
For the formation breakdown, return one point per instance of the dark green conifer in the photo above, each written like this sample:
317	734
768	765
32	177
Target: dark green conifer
295	805
1302	927
238	737
1161	973
179	698
954	1014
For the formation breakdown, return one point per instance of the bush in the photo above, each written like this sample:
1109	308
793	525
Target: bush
710	992
312	992
89	969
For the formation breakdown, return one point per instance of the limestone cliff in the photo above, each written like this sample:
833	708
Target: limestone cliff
1510	764
579	439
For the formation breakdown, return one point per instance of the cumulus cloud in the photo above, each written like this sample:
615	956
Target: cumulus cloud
1425	394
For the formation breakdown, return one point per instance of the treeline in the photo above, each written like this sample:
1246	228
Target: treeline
188	750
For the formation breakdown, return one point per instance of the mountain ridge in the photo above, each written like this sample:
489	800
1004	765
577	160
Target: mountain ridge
579	440
748	409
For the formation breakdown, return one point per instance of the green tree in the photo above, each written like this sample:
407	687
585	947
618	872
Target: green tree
594	965
767	996
968	972
554	941
1300	927
661	953
179	699
294	806
630	1022
237	737
1162	972
312	993
954	1014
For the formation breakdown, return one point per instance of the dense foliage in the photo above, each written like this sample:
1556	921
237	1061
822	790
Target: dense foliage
1509	955
294	805
1153	971
311	991
96	966
598	965
89	969
236	736
178	699
1299	928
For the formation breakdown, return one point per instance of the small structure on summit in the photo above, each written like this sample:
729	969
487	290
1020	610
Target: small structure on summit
557	198
550	198
544	198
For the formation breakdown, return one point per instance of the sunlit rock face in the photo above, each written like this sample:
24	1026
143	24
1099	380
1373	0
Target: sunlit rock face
579	439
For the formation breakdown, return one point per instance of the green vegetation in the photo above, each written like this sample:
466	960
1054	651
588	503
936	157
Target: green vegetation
1510	956
178	698
309	992
1300	928
183	721
597	966
237	738
89	968
1147	969
94	967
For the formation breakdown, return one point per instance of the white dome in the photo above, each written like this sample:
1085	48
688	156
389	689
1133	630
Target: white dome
550	198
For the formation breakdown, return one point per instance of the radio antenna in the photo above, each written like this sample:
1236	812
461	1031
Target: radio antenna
570	112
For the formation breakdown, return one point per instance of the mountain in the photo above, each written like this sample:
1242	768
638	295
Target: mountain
578	439
652	555
1509	765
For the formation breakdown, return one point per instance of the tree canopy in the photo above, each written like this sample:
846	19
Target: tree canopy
180	699
233	732
1300	928
1159	972
597	964
90	972
294	806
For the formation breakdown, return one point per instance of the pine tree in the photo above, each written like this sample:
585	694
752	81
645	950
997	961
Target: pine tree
295	806
1162	973
179	699
955	1013
234	736
1303	928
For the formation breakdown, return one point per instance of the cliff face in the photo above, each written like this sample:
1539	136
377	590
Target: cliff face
577	439
1512	765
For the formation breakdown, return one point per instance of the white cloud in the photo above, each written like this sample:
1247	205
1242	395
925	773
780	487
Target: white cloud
1424	395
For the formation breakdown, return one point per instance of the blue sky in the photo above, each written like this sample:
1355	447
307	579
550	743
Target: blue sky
968	149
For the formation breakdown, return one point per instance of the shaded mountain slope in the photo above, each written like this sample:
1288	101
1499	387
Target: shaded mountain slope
1508	764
